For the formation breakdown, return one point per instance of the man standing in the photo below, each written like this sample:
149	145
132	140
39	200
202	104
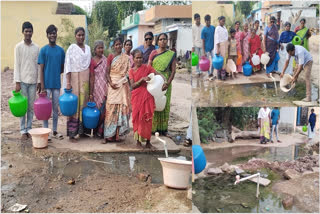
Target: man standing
304	62
275	117
51	60
207	36
196	38
26	74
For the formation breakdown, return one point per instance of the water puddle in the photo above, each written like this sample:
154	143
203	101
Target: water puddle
256	94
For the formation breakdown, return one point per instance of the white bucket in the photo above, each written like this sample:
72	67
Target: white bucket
285	81
176	173
40	137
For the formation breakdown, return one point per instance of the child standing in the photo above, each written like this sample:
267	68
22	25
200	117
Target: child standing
232	48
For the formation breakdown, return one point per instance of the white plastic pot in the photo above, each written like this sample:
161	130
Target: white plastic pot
176	173
155	85
160	103
285	81
265	58
231	66
255	59
40	137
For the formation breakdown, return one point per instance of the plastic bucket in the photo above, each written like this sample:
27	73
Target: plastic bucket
40	137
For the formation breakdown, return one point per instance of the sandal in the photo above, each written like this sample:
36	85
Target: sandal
187	143
57	136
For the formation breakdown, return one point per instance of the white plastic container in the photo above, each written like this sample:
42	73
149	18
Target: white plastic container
155	85
285	81
231	66
176	173
265	58
255	59
40	137
160	103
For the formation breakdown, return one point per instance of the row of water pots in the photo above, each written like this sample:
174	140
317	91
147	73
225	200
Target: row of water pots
43	107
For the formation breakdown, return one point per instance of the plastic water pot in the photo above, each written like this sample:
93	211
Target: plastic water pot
304	128
90	116
39	137
265	58
255	59
194	59
155	85
296	40
217	62
199	159
176	173
204	64
42	107
247	69
160	103
68	103
18	104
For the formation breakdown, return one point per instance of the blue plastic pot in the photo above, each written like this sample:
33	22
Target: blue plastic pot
68	103
217	62
199	159
247	69
90	116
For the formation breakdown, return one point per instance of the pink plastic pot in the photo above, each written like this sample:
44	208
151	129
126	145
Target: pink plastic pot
42	107
204	64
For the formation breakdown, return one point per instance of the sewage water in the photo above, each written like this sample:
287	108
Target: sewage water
209	94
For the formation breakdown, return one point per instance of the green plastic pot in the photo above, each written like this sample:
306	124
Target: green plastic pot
304	128
194	59
296	40
18	104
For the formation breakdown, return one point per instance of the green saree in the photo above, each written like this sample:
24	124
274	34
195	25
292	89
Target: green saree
162	64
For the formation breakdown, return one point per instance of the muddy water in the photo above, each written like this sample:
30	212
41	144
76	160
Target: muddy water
240	154
208	94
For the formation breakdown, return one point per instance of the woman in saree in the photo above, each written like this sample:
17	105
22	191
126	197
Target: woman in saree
239	44
147	47
142	101
76	77
304	33
285	38
164	62
264	120
271	37
127	49
221	45
255	48
98	82
245	43
118	106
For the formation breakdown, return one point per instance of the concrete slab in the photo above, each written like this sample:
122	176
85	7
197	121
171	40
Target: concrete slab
306	104
128	145
263	181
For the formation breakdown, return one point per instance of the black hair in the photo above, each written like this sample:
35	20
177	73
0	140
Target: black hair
273	18
117	39
196	16
303	19
232	30
290	47
26	25
221	17
135	51
252	29
207	17
51	28
148	34
287	23
312	110
128	40
78	29
161	35
237	22
257	21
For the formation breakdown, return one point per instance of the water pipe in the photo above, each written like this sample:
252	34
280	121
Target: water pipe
164	143
238	180
274	82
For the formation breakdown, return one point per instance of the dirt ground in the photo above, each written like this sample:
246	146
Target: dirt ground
28	176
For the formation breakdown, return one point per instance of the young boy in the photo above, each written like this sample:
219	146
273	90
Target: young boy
207	36
196	38
26	75
275	117
51	60
232	49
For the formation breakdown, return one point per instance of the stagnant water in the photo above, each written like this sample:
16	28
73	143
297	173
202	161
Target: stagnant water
219	194
256	94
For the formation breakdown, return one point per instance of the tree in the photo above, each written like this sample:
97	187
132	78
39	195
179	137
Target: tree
245	6
126	8
149	4
79	11
66	35
96	32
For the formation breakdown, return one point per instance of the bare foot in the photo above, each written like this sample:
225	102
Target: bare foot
139	145
73	140
149	146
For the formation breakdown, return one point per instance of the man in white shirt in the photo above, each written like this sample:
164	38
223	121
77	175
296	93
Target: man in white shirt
304	62
196	38
26	74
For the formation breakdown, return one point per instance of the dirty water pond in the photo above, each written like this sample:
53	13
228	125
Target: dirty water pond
219	194
210	94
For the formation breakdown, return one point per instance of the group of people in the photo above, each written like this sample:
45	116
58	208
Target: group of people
116	83
241	46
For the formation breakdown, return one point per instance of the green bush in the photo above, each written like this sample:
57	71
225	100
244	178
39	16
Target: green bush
207	123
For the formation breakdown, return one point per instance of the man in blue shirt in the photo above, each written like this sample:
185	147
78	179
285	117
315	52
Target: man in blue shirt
51	61
207	36
275	117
